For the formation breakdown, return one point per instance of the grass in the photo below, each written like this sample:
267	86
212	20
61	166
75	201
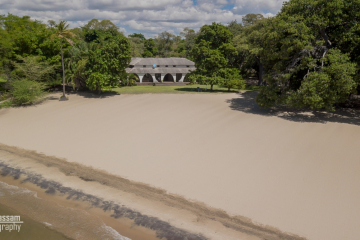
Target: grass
6	104
176	89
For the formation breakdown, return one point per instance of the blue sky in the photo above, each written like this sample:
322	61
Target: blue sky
149	17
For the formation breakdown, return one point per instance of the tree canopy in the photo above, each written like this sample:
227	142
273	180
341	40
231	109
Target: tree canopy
305	56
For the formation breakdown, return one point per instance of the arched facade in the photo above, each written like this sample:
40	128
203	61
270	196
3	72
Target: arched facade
137	77
168	78
186	77
148	78
178	77
169	70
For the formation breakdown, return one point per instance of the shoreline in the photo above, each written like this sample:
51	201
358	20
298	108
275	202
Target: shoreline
122	226
29	228
132	221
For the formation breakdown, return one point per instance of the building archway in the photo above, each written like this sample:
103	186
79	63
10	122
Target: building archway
186	79
137	77
178	77
147	78
158	77
168	78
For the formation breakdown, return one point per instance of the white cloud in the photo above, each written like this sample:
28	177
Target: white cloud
257	6
147	16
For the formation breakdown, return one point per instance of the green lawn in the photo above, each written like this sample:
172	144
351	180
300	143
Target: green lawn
175	89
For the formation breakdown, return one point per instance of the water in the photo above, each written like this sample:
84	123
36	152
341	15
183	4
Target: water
30	230
48	220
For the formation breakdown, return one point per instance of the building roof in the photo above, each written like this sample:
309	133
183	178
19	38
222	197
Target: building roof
138	63
165	70
161	61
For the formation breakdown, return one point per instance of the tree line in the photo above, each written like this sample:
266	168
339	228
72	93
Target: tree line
305	56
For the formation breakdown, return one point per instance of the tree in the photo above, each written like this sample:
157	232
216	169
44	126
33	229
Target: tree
52	23
309	51
251	19
106	65
32	69
25	91
63	32
130	80
213	52
189	35
248	43
231	78
76	73
137	47
137	35
150	49
21	36
165	41
235	27
102	25
100	31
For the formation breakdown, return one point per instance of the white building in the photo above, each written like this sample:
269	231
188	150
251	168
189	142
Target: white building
160	69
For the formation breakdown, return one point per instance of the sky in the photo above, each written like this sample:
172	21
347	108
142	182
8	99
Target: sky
149	17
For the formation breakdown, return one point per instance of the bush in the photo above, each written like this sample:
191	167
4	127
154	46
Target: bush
130	80
26	92
233	83
2	84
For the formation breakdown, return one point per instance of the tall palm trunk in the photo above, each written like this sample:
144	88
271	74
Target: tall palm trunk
63	68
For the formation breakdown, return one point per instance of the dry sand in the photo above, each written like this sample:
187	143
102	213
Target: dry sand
298	172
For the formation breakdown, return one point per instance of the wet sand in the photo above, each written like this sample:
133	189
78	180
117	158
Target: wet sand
296	173
30	230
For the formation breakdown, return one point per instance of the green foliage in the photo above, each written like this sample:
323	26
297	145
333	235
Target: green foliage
213	54
235	27
309	53
106	66
136	46
137	35
165	41
215	34
251	19
6	104
100	31
26	91
33	69
189	36
102	25
21	36
231	78
150	49
305	56
130	80
333	84
97	81
75	73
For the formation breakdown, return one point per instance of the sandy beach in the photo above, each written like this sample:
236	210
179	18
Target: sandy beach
208	166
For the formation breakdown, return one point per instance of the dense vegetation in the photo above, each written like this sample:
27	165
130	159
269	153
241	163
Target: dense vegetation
305	56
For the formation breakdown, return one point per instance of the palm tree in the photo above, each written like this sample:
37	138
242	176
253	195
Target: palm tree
63	32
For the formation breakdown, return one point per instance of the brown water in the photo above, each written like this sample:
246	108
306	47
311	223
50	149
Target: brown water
30	230
47	220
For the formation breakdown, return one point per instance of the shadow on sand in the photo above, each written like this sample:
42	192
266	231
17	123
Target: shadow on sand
202	89
90	94
245	102
83	93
